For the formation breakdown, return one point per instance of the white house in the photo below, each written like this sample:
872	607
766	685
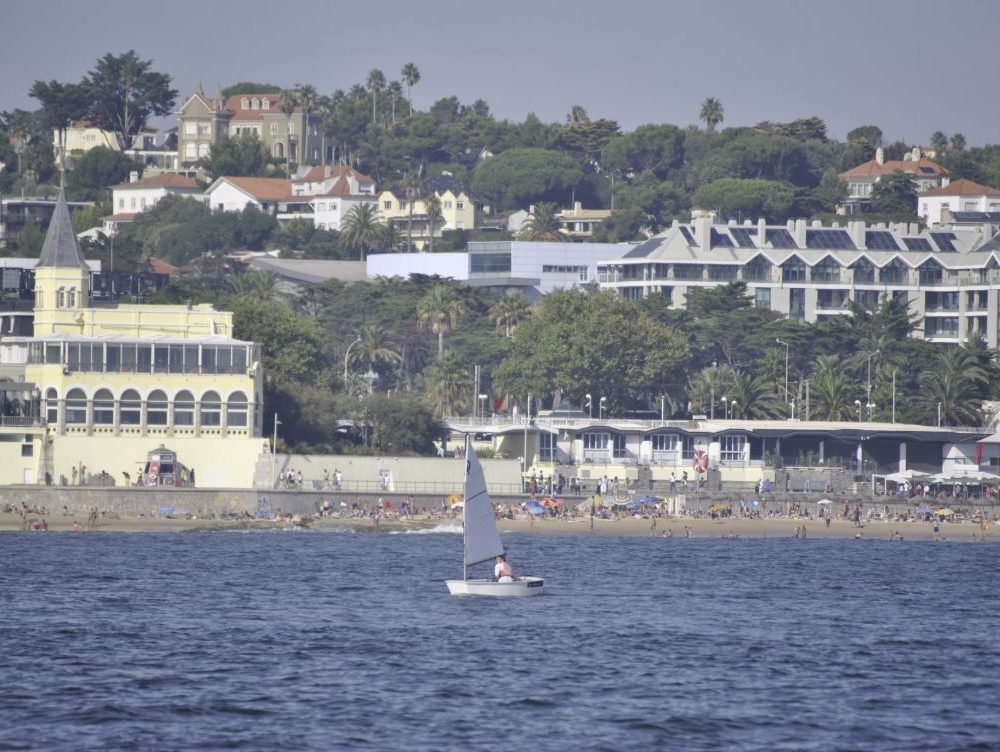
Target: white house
236	193
956	197
136	196
331	192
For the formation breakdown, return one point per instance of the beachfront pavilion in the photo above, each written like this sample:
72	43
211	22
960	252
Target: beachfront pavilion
794	455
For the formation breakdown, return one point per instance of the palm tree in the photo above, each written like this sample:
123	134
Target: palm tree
432	207
361	229
754	397
831	389
440	309
949	388
411	76
395	94
448	385
374	349
262	285
508	312
376	82
389	236
288	104
712	113
543	224
307	98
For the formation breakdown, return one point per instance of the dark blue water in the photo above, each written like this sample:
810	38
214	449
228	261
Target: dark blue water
325	641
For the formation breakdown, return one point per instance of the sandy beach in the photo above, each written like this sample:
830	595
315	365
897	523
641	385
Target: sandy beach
678	526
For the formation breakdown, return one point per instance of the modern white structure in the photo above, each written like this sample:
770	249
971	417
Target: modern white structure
533	268
809	271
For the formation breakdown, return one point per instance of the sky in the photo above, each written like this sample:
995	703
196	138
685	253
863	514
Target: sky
911	67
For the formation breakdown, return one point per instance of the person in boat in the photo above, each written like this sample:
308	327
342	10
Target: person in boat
503	571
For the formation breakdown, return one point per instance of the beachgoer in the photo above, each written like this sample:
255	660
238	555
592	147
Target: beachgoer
503	571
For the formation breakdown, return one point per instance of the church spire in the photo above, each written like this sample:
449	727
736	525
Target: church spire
61	249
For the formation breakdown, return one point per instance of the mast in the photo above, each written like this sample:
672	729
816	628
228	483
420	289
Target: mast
465	509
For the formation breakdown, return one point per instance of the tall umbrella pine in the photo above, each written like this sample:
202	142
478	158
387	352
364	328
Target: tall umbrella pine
440	310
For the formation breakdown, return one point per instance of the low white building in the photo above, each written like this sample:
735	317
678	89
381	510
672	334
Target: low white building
331	192
534	268
236	193
956	197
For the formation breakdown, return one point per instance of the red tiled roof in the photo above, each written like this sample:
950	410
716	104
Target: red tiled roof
235	105
918	167
163	180
319	174
265	189
158	266
962	187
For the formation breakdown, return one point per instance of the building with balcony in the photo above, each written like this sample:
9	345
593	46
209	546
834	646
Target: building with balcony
809	271
94	389
925	173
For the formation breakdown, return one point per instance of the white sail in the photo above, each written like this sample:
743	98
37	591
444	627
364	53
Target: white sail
482	539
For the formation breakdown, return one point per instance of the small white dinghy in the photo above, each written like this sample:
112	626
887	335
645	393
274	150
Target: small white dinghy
481	539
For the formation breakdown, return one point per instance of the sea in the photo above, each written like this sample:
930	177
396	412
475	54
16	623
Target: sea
318	640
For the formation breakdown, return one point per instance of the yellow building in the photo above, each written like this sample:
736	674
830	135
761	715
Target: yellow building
95	389
458	212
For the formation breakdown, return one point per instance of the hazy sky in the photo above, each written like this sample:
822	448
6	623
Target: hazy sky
909	67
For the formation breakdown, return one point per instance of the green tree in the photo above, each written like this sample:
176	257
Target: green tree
293	347
97	171
448	385
509	311
244	155
376	82
737	198
895	193
583	342
543	224
832	391
949	389
411	75
518	177
939	142
260	285
402	426
361	229
395	90
432	208
125	92
440	310
649	148
711	113
61	105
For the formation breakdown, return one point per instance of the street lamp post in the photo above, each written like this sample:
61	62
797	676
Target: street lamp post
601	407
870	406
732	411
590	404
858	403
711	386
482	407
274	446
348	355
868	392
725	407
785	344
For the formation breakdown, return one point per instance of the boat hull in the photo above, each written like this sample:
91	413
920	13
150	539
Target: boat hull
519	588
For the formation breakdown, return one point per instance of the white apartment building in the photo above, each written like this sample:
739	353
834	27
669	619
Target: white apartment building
809	271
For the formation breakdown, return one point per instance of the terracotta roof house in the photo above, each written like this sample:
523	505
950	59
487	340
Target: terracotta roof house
136	196
955	201
235	193
860	180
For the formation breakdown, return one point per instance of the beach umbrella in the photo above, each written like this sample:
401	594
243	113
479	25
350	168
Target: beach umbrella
534	507
824	502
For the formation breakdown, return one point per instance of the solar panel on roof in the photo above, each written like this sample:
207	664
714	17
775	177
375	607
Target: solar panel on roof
720	240
944	240
744	236
837	239
879	240
917	244
687	235
779	238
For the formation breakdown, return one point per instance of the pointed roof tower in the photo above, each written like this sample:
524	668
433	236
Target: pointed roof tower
61	249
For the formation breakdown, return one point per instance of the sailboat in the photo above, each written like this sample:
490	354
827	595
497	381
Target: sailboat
481	539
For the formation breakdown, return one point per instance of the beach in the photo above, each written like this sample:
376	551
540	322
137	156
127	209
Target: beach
673	526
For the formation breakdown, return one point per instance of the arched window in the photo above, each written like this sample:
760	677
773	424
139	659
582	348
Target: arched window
184	409
131	408
265	103
104	408
76	407
71	298
211	409
279	150
255	104
190	151
61	298
245	103
52	406
156	408
236	410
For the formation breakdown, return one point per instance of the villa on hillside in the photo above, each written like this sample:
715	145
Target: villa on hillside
861	180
